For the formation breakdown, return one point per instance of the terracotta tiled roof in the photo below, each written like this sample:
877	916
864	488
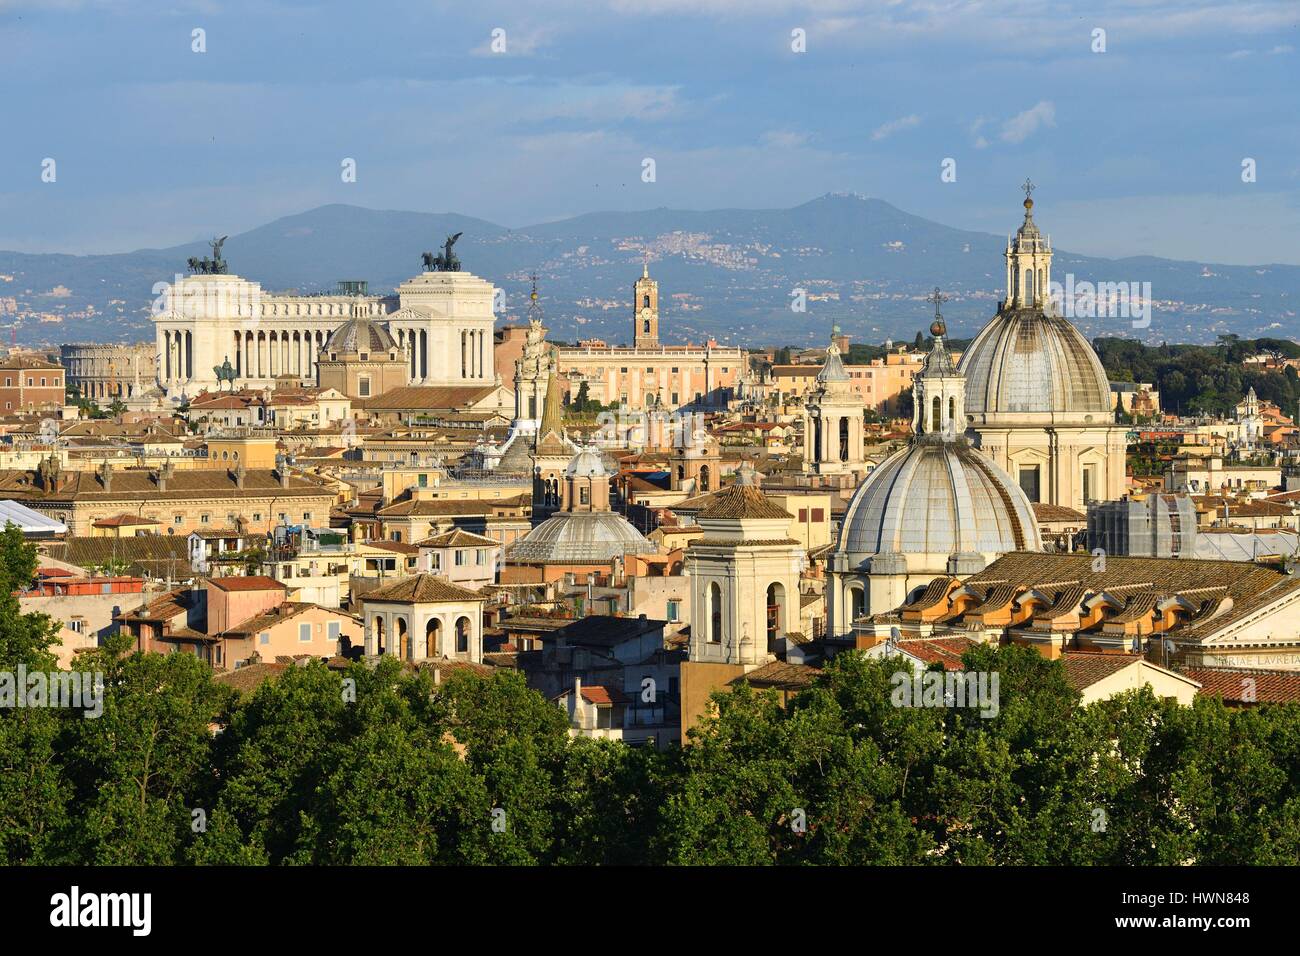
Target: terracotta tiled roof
248	678
601	696
428	398
421	588
457	538
124	521
743	501
1049	512
937	650
254	582
781	675
1084	670
1268	687
444	506
144	486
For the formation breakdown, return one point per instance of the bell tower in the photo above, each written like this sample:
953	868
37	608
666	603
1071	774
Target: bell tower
833	427
645	311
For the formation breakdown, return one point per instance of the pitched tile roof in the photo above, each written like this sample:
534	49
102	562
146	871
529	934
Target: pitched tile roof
420	589
252	582
1268	687
458	538
781	675
743	501
248	678
425	397
143	486
1083	670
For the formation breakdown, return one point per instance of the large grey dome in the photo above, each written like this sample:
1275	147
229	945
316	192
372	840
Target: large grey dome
580	537
360	334
1027	361
937	497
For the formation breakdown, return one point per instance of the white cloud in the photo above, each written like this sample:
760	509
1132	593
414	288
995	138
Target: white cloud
1023	125
885	130
784	138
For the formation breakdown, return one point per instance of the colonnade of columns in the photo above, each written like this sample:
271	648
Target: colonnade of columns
268	354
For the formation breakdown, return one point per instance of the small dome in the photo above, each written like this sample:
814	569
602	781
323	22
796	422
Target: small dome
1027	361
586	464
938	497
580	537
360	334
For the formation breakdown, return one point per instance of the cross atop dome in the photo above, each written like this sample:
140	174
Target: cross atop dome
937	327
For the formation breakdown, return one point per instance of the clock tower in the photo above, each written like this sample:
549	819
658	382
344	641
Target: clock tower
645	311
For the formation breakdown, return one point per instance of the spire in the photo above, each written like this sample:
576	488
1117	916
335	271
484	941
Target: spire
833	370
552	412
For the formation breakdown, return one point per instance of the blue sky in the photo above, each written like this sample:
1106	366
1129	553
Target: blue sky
1136	150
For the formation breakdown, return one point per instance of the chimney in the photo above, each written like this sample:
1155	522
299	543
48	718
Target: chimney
283	473
239	475
106	475
577	691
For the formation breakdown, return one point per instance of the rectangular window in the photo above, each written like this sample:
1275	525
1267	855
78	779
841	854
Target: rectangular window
1029	482
178	519
203	519
306	516
304	633
819	514
363	387
332	630
803	514
460	558
674	610
1087	485
264	637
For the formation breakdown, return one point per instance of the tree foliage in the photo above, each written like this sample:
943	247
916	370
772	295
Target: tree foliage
376	765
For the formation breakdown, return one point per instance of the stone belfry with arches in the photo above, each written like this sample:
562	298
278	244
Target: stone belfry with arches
832	422
645	311
744	573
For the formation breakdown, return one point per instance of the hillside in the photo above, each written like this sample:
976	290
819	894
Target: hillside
729	273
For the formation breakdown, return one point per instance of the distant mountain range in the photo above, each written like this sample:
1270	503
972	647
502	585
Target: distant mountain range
866	266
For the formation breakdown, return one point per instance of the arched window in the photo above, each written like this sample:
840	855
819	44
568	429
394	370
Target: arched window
645	301
775	613
952	409
936	414
715	613
462	635
402	639
844	439
704	478
432	638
